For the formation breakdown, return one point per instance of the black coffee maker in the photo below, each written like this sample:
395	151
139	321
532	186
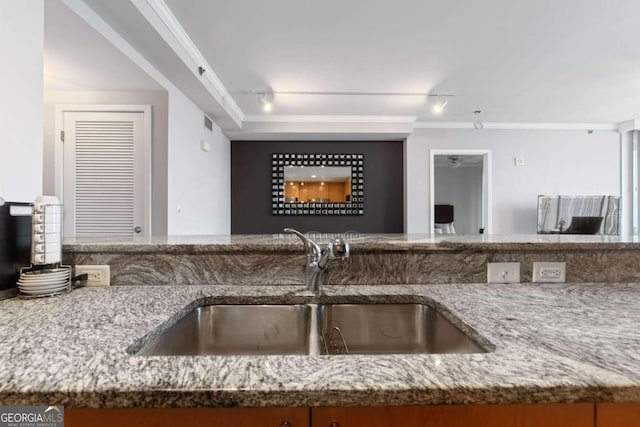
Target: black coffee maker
15	244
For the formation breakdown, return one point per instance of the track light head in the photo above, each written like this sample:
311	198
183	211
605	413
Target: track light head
440	102
265	102
439	106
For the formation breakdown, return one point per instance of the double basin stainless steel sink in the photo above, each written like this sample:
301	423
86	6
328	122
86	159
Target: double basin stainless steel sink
310	329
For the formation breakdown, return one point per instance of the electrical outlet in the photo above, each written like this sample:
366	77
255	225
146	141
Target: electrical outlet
549	272
503	272
99	275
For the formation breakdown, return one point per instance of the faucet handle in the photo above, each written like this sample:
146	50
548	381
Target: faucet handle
339	248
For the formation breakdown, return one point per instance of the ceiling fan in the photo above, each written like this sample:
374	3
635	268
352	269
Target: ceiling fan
454	161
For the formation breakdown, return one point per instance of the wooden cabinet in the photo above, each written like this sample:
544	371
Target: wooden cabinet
542	415
618	415
196	417
539	415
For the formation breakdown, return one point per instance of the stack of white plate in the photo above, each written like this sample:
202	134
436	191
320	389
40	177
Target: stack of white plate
44	282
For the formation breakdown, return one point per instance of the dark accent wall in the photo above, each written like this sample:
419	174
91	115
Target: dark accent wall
251	188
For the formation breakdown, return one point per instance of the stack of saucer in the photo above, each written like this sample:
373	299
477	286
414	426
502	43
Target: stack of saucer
44	282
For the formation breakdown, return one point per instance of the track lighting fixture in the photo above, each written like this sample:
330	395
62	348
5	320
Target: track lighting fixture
440	102
265	102
439	106
477	123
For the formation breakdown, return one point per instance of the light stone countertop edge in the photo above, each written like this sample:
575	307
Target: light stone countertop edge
360	242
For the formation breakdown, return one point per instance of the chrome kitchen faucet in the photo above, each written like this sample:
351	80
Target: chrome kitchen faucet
318	258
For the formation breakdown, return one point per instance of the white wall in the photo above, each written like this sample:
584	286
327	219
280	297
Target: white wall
159	105
199	183
21	50
557	162
462	188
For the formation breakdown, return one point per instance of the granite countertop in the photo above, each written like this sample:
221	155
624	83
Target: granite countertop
550	343
358	241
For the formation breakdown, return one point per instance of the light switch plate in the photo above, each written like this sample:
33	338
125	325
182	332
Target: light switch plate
549	272
503	272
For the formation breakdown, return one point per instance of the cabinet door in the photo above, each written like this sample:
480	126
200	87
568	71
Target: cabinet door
618	415
192	417
542	415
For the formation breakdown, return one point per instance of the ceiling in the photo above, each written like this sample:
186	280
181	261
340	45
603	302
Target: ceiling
77	57
539	61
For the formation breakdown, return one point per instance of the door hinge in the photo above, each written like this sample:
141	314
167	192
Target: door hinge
62	135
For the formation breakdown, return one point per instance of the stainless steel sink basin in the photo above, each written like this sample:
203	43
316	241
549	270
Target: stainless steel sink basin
236	330
299	329
389	329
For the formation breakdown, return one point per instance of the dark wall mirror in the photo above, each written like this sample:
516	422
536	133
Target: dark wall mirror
330	184
317	184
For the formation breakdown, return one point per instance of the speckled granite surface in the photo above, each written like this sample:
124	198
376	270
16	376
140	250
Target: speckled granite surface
551	343
386	259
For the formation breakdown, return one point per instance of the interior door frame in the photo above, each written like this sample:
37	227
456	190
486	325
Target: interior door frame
486	219
146	110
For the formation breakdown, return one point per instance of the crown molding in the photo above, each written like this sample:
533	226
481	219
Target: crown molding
431	125
334	128
629	126
518	126
171	26
400	126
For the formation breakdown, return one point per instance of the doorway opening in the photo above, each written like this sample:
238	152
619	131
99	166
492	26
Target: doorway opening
460	191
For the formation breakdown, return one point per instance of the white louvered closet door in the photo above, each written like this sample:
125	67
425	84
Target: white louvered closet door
104	173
